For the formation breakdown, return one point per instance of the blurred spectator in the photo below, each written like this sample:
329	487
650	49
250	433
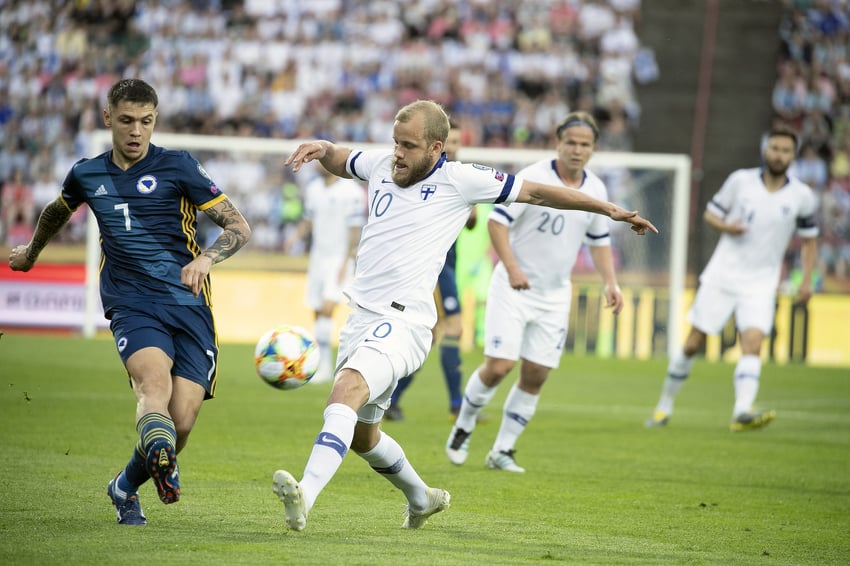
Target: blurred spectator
17	210
789	94
340	68
614	134
835	230
812	94
325	68
810	168
44	189
815	130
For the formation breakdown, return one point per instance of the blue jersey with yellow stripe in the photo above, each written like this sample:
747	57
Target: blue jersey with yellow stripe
147	217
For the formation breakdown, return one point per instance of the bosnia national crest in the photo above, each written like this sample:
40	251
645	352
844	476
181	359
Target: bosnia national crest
146	184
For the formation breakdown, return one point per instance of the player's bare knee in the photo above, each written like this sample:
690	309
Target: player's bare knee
453	327
693	343
350	389
751	341
532	377
494	371
152	394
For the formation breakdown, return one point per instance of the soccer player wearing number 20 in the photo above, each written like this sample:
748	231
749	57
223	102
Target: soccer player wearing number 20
528	304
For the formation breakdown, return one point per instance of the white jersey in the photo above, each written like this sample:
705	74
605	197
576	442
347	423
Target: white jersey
752	261
333	209
545	240
409	230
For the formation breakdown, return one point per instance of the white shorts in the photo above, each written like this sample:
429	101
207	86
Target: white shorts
713	306
323	282
383	349
518	324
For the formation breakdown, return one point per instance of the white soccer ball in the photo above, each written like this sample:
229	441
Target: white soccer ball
286	357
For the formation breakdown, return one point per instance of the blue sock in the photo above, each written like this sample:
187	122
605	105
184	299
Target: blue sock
151	427
156	426
450	360
403	384
135	473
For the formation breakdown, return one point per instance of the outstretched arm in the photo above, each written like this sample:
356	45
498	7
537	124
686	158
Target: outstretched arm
331	156
54	216
235	233
556	197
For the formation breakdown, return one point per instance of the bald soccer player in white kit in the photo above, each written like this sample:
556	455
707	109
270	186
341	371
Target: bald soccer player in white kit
418	204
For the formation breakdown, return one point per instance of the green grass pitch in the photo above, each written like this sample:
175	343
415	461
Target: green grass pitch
600	488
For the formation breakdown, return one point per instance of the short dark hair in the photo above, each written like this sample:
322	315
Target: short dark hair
784	130
578	119
132	90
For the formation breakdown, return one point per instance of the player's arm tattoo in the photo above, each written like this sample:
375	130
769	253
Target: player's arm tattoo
235	231
52	218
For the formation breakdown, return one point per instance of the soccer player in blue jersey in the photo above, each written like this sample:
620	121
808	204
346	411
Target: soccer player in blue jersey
450	325
418	204
154	280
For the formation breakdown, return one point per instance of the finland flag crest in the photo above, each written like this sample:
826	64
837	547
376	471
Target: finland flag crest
427	190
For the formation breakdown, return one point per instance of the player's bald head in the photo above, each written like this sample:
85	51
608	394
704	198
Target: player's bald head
435	118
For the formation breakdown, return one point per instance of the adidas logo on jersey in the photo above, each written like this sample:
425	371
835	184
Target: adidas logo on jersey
101	190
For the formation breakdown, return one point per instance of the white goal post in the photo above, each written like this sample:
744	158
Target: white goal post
675	228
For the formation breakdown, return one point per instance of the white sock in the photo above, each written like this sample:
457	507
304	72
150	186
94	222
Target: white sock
678	370
518	410
747	373
475	397
323	331
328	451
388	459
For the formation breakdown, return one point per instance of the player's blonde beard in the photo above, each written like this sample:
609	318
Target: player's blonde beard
415	172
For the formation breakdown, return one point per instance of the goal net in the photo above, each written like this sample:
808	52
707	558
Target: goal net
651	269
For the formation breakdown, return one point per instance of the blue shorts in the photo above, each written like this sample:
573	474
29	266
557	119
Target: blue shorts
448	301
186	333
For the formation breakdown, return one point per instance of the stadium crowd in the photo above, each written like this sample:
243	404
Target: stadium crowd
507	71
812	93
334	69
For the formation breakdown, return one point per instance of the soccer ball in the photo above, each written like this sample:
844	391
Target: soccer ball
286	357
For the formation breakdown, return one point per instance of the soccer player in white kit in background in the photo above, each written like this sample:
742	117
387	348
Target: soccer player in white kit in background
334	214
418	204
528	303
756	212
